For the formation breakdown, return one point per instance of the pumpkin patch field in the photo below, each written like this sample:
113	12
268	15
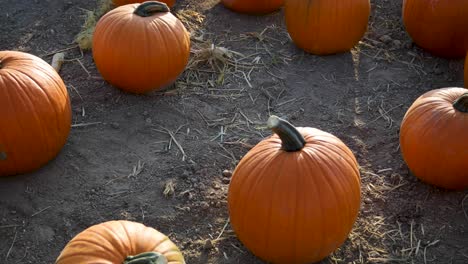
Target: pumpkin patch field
234	131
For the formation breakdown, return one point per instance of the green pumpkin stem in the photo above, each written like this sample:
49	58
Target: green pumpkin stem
461	104
291	138
146	258
150	8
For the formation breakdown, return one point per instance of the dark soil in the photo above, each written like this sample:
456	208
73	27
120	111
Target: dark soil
119	167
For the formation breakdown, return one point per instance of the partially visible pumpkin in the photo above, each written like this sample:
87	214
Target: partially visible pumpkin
253	7
434	138
295	196
120	242
325	27
140	47
170	3
35	113
438	26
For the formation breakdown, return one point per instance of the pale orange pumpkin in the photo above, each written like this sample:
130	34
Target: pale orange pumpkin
35	113
438	26
325	27
140	47
253	7
295	196
120	242
434	138
169	3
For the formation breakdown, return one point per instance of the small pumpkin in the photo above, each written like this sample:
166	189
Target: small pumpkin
438	26
325	27
433	138
169	3
140	47
35	113
295	196
253	7
119	242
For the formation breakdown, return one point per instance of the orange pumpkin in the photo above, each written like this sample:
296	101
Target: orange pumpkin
170	3
120	242
253	7
295	196
325	27
140	47
433	138
438	26
35	113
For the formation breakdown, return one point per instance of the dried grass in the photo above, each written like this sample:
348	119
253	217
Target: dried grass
84	39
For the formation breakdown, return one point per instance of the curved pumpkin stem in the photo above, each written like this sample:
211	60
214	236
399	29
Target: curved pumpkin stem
291	138
461	104
146	258
150	8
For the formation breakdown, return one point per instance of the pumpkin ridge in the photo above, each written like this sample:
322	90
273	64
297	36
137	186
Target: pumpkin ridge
25	101
341	180
167	28
250	191
115	238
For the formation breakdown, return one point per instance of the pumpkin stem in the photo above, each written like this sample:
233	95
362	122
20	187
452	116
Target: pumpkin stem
461	104
146	258
150	8
291	138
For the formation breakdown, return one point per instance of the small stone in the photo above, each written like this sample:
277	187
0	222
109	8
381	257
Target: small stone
227	173
325	117
216	186
145	113
115	125
204	205
385	39
148	121
438	71
226	180
208	245
396	43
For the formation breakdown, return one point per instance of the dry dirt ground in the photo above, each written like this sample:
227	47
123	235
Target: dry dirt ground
124	164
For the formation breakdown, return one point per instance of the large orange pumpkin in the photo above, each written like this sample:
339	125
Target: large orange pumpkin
295	196
439	26
170	3
253	7
140	47
35	113
120	242
325	27
434	138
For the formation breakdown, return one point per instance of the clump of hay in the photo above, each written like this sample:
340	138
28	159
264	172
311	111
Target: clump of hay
84	39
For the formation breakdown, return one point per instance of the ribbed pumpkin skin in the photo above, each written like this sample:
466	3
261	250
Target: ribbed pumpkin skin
438	26
140	54
169	3
434	141
324	27
111	242
253	7
35	113
295	207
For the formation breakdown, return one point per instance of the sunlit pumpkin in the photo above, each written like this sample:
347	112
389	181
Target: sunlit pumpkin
295	196
326	27
35	113
438	26
140	47
434	138
170	3
253	7
120	242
